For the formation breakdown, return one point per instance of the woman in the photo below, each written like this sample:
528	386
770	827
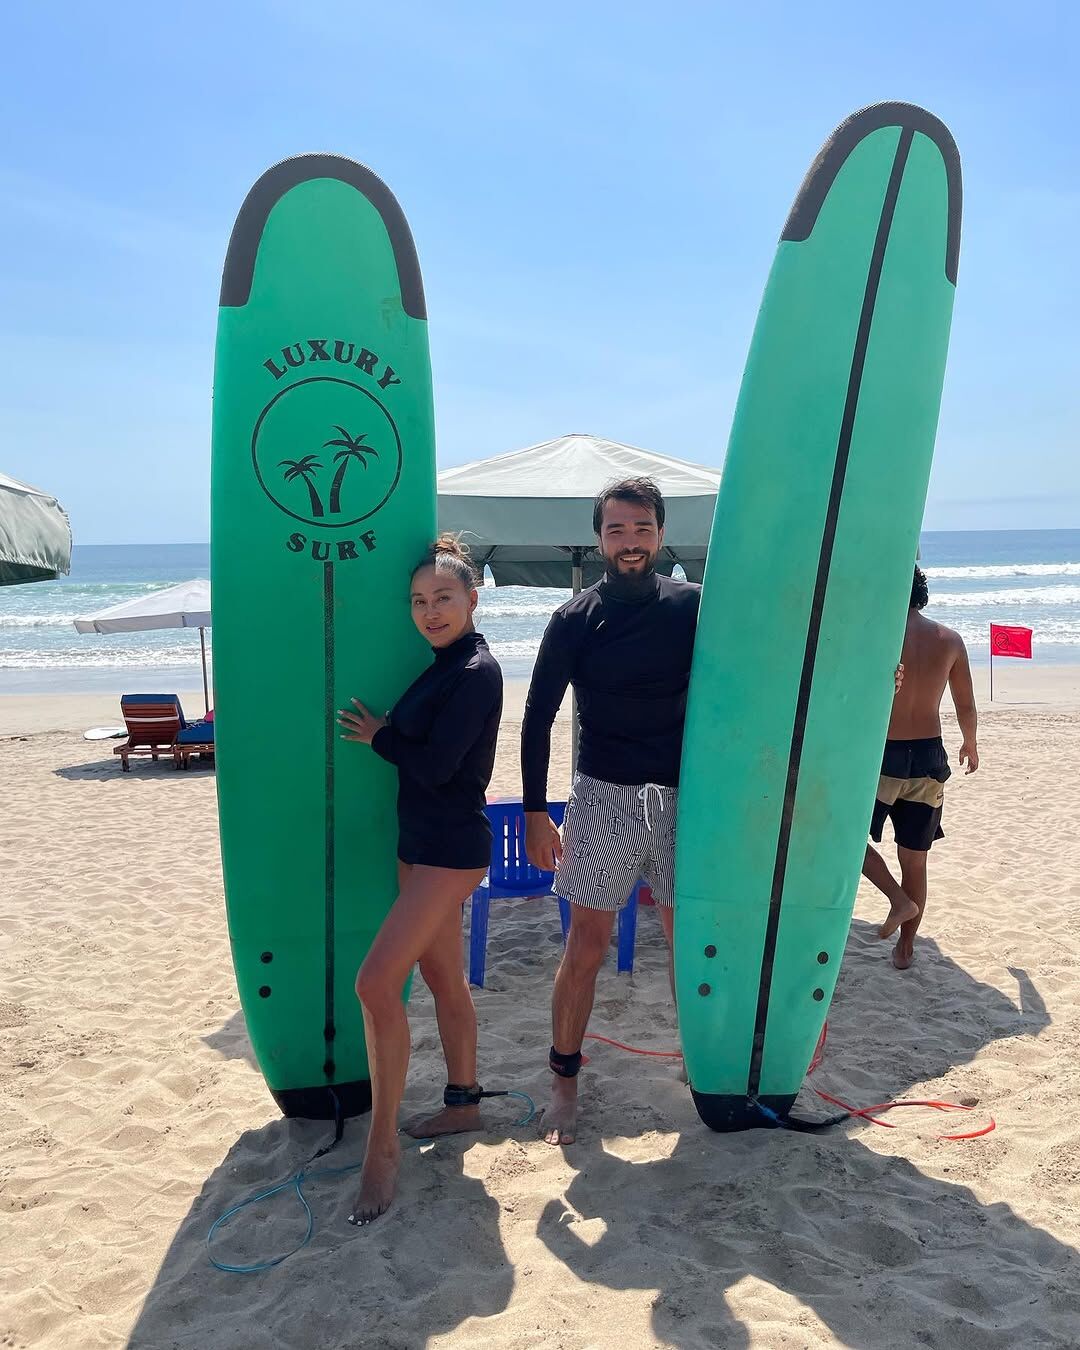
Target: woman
441	736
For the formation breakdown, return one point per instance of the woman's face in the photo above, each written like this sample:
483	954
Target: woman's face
442	606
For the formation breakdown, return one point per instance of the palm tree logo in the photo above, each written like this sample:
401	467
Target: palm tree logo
351	450
306	469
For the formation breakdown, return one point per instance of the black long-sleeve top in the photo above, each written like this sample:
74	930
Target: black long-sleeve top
626	649
441	736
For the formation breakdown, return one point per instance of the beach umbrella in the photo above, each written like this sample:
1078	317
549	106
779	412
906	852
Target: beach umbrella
186	605
35	537
528	514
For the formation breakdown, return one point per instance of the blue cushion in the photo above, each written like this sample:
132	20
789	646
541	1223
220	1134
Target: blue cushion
197	733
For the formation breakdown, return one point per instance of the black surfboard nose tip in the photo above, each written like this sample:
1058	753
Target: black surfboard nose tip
839	146
281	178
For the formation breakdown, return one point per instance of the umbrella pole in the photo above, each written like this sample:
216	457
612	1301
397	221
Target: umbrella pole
205	681
575	582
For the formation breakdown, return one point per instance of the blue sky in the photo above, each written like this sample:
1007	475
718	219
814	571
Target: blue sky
596	192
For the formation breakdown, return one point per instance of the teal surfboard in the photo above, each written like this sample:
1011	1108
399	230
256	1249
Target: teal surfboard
805	595
323	497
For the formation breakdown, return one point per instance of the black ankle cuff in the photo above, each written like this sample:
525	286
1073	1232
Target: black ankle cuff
457	1094
566	1066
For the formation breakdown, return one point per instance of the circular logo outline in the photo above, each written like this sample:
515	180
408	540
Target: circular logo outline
306	520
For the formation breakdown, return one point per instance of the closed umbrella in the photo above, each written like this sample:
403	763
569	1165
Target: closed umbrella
186	605
35	536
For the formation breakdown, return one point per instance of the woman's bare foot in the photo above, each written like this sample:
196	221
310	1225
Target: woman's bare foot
901	911
903	954
559	1121
378	1182
450	1120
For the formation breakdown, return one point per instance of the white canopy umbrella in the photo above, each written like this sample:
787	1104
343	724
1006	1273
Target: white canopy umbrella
35	537
186	605
528	514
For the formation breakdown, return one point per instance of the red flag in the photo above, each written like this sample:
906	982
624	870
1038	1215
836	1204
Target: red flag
1006	640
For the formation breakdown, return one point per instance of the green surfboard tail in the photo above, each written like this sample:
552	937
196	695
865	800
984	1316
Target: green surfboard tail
818	515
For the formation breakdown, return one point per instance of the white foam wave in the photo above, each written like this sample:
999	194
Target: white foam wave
489	609
977	635
515	650
36	620
991	571
1012	596
95	657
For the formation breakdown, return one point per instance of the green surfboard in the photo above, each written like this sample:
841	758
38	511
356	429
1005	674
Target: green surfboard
805	595
323	497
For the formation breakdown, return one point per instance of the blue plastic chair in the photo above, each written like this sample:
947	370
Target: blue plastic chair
511	874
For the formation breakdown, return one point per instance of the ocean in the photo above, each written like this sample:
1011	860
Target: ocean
1029	577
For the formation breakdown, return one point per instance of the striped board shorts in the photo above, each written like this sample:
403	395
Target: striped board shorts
612	836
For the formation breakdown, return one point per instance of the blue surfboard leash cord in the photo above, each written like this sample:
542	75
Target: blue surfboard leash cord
297	1181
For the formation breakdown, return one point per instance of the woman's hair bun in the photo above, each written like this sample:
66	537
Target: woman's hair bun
450	546
449	554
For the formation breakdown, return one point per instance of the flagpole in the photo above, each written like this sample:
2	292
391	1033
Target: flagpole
991	663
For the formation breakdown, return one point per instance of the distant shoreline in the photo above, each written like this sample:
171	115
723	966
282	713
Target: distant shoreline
977	577
1029	529
1018	686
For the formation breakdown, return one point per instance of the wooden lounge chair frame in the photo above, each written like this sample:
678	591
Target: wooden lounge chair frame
152	730
185	749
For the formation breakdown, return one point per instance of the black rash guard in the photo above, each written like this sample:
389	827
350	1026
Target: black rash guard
626	648
441	737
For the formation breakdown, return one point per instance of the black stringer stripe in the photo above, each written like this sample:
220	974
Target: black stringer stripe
330	732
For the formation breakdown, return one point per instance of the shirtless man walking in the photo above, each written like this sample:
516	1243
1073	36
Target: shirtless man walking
915	767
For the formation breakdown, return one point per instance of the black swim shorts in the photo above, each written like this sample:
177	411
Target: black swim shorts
911	793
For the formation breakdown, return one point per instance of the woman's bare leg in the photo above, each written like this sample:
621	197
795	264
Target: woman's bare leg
427	893
443	969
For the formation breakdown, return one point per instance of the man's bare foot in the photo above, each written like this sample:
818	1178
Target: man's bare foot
900	911
903	955
450	1120
559	1121
378	1182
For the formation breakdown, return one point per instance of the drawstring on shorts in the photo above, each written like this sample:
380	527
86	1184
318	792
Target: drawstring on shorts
643	798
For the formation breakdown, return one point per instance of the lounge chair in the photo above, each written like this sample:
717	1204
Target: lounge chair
197	738
153	723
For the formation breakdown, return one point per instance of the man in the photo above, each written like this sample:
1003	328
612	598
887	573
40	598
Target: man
625	645
915	767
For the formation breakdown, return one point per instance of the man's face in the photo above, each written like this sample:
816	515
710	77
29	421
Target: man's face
629	538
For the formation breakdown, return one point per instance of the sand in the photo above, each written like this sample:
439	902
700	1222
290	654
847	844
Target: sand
132	1115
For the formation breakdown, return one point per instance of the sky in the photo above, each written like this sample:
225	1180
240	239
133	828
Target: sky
596	193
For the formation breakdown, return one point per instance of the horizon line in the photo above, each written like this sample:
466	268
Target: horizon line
205	543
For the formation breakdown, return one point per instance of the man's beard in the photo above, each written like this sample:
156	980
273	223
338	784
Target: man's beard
640	574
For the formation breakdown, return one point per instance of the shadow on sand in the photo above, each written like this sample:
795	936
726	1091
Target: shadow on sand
882	1253
162	769
389	1285
231	1041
